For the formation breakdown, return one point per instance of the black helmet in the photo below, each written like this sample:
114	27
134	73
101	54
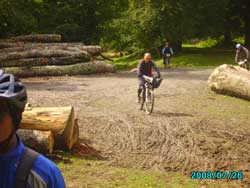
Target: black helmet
12	90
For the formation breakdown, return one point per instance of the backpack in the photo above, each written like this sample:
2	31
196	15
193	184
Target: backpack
24	167
167	50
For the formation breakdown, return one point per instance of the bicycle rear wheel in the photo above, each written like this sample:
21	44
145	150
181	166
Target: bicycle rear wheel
149	103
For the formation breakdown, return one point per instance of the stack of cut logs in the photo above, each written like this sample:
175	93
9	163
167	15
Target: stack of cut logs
46	129
46	55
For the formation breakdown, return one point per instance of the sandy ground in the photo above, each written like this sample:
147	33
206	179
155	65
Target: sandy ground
191	128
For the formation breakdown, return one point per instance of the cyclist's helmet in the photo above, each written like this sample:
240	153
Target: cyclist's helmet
14	93
238	46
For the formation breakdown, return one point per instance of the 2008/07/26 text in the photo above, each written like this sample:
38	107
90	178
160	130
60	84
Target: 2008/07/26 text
230	175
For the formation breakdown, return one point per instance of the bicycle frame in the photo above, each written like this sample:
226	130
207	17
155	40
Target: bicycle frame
148	95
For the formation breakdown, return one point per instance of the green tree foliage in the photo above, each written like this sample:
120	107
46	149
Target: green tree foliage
147	23
16	17
127	24
77	20
240	17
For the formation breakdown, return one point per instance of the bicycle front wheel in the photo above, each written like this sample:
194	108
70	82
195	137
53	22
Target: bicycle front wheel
149	103
143	99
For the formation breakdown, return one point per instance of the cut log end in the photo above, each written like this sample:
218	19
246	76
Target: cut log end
42	141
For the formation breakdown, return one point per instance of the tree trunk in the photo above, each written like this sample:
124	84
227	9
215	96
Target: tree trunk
31	62
231	80
177	46
5	44
59	120
76	69
246	18
13	47
41	141
37	38
228	30
247	32
227	38
36	53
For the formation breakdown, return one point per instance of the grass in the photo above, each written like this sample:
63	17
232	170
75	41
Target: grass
91	173
208	104
208	43
199	58
126	62
202	59
98	174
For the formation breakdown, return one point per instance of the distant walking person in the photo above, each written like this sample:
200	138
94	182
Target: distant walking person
167	53
242	56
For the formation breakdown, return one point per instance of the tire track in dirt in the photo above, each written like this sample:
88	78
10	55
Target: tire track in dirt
176	137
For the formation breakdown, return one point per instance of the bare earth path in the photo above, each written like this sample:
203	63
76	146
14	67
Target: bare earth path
191	128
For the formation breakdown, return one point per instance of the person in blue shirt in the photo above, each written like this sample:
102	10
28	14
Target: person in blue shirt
167	53
44	173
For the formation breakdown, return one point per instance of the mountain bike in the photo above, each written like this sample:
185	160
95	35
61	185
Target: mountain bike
244	64
148	93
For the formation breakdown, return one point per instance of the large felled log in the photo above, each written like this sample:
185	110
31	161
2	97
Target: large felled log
36	53
37	38
53	46
5	44
11	49
76	69
23	45
30	62
230	80
65	46
59	120
42	141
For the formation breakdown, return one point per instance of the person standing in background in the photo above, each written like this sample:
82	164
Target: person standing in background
167	53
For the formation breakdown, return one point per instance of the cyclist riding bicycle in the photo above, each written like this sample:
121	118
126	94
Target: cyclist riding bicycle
145	68
20	167
167	53
242	55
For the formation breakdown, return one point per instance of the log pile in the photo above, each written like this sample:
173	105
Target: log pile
34	55
230	80
35	38
46	129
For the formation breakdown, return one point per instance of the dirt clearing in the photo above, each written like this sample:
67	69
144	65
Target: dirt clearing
191	128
